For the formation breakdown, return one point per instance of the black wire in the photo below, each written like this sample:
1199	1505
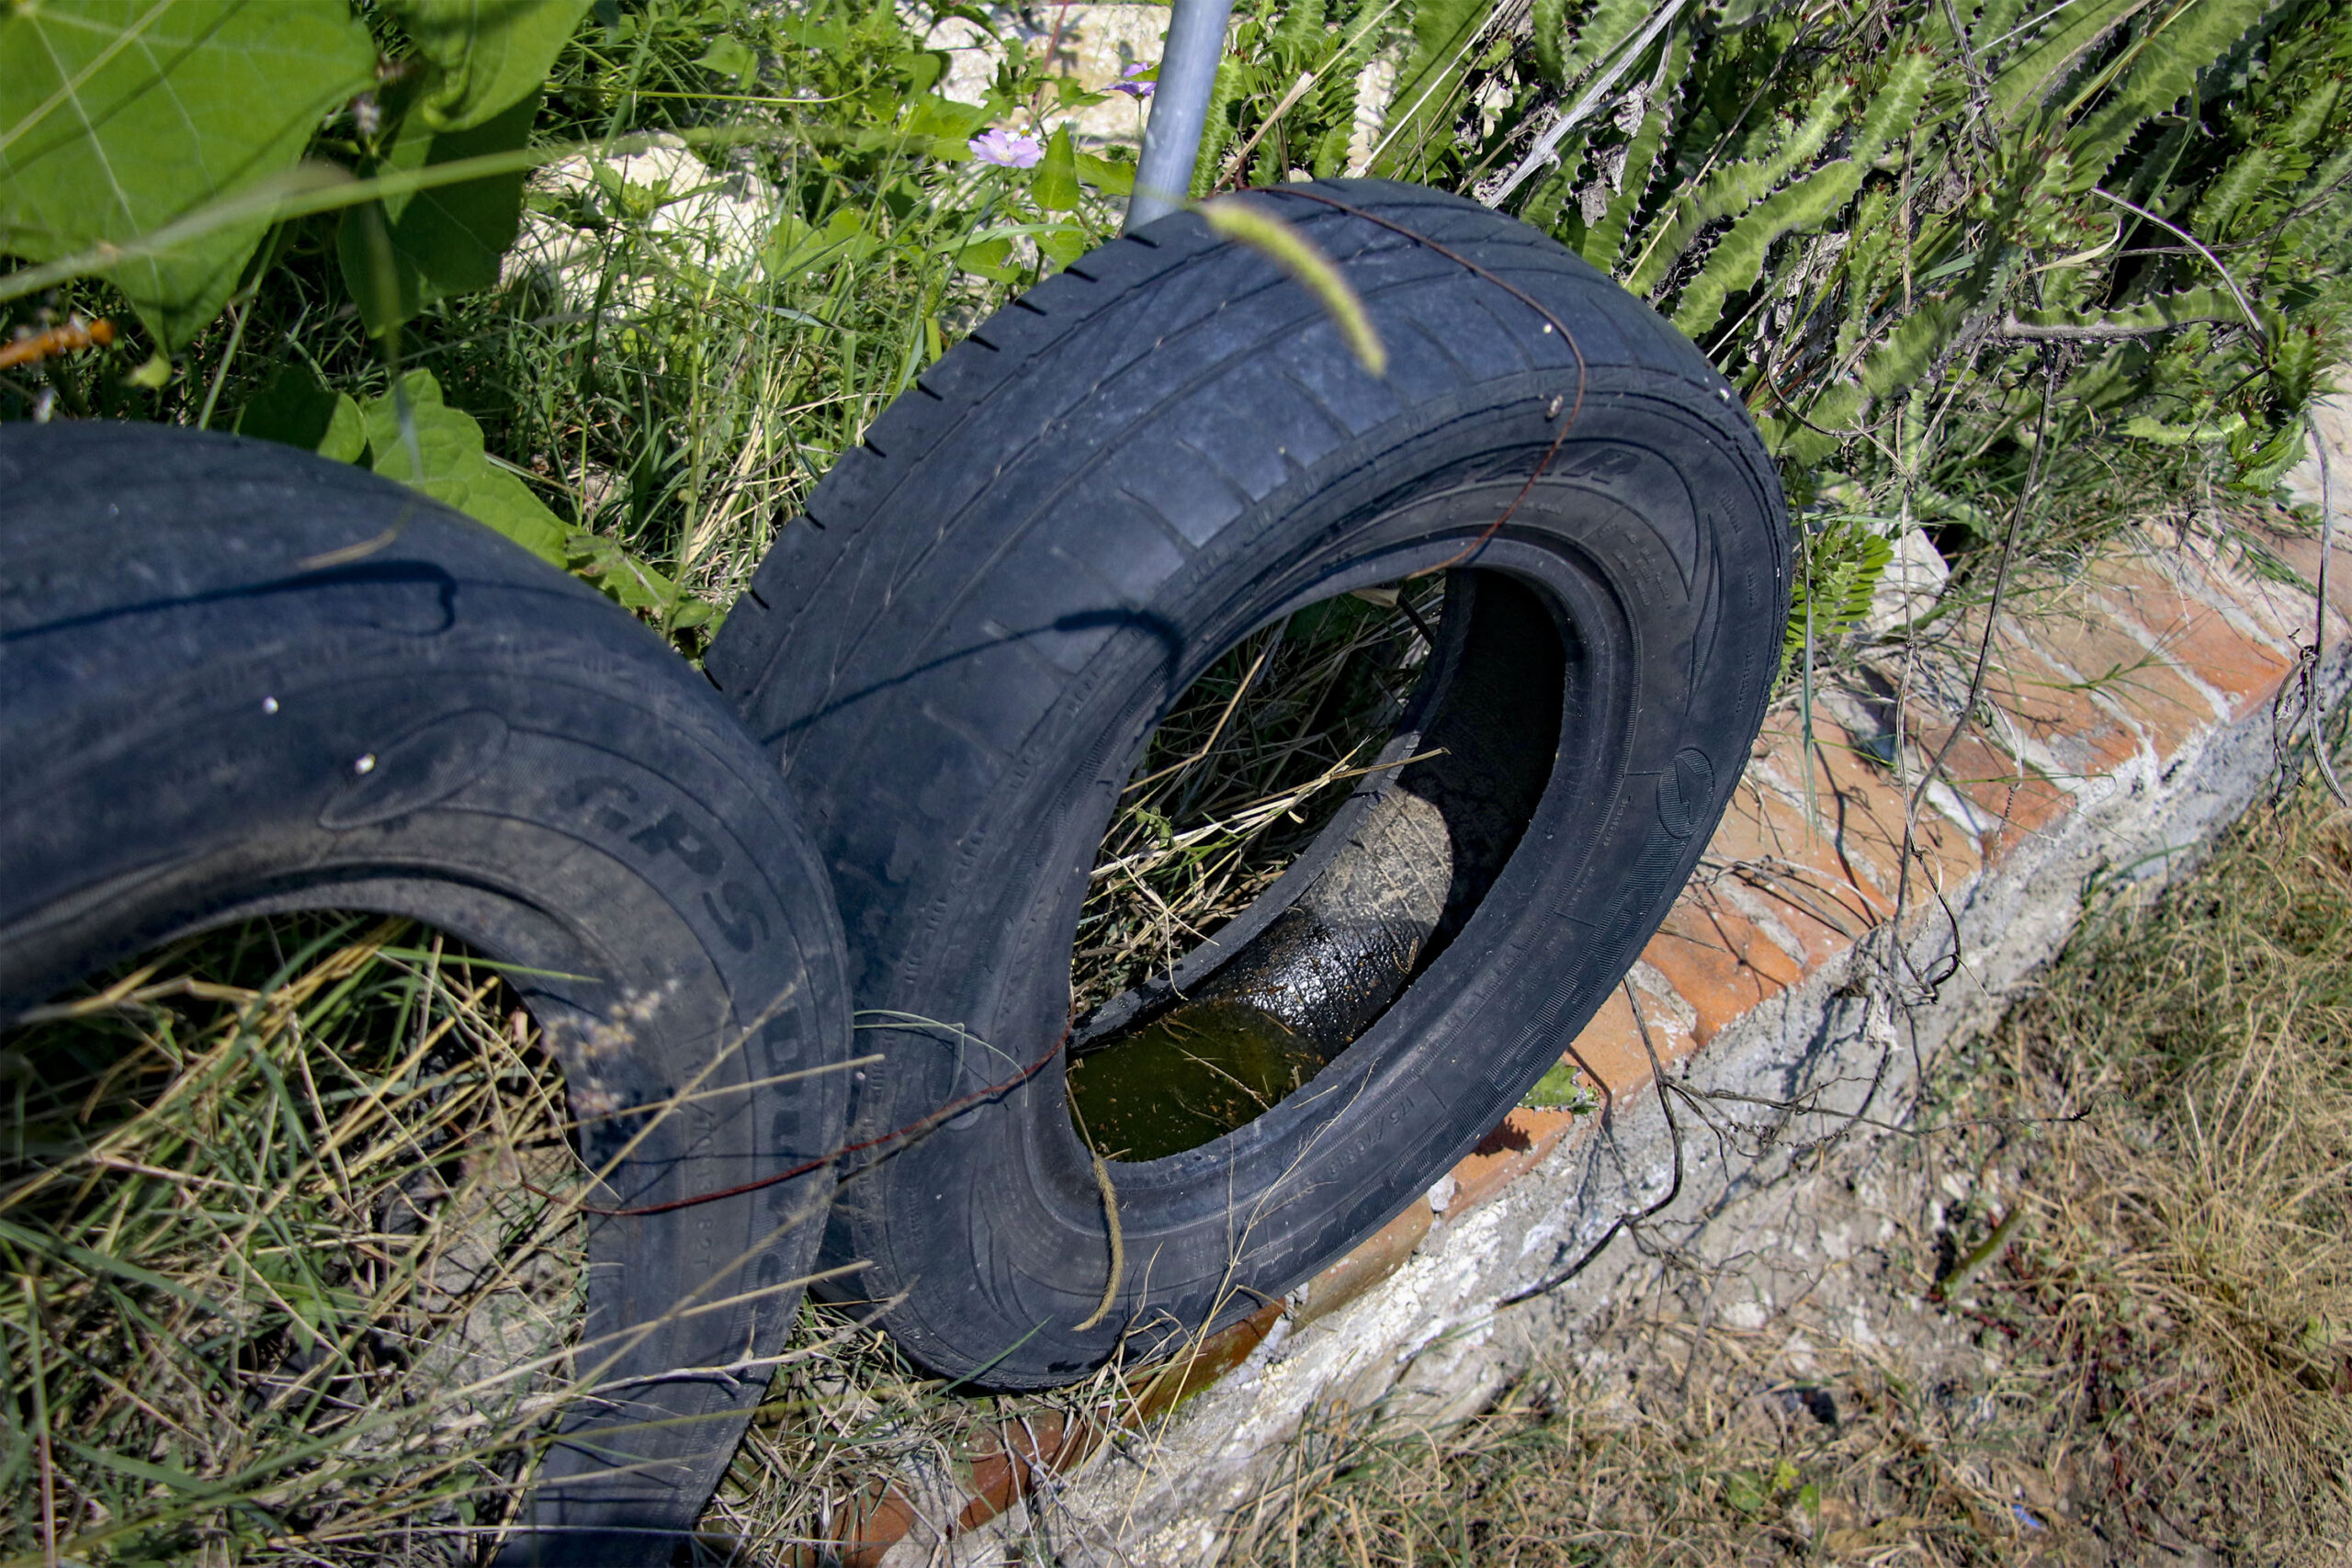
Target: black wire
1625	1222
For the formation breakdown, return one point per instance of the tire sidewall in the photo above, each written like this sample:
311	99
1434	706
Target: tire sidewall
1655	529
247	681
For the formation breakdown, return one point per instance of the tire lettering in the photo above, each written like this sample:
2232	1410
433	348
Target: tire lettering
1605	463
674	834
1686	792
612	821
738	931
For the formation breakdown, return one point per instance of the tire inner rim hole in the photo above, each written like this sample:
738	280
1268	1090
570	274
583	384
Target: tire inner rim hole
362	1106
1309	827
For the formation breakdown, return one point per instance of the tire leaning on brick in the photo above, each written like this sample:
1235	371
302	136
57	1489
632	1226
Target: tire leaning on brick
957	660
243	680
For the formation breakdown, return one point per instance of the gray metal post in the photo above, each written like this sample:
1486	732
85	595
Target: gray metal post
1180	108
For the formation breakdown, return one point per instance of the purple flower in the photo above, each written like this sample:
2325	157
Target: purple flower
1128	84
1007	149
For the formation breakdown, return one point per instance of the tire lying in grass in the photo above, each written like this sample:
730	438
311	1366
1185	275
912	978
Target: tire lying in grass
958	662
243	680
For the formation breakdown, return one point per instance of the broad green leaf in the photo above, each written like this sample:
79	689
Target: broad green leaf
1110	178
447	240
1562	1088
627	580
485	54
297	410
733	59
798	247
991	259
1055	181
1065	244
933	115
923	67
118	116
345	440
946	125
457	471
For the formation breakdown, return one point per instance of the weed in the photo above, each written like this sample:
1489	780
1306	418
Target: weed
1249	764
276	1288
2130	1269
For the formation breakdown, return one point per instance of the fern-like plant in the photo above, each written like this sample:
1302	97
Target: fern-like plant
1893	227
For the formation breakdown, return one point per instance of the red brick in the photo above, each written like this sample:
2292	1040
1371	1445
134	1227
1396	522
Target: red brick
1718	961
2019	800
1766	840
1188	1373
2245	671
1609	1050
2144	683
1013	1456
871	1526
2051	711
1865	808
2231	573
1370	1263
1516	1146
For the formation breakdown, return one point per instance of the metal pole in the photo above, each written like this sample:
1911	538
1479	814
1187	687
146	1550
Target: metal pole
1180	108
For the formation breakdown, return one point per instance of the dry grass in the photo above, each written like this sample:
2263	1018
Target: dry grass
853	1443
1244	771
272	1292
2108	1320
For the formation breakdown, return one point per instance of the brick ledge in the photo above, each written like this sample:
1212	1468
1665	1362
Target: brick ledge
2129	722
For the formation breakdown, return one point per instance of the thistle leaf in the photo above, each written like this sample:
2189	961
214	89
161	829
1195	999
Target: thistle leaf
1738	257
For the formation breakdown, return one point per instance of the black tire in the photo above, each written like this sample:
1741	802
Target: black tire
243	680
958	660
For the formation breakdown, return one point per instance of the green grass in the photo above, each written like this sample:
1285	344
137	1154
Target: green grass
275	1288
666	380
259	1230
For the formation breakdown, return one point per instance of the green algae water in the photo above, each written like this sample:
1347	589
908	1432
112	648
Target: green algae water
1195	1073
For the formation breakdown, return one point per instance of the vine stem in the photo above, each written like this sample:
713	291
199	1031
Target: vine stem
920	1124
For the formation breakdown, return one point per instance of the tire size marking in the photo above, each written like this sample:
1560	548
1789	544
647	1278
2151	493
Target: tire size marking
731	905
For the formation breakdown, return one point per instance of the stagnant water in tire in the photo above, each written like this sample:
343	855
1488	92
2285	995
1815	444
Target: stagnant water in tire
1249	766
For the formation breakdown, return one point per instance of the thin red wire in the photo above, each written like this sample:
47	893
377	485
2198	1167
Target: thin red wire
1583	373
922	1125
955	1107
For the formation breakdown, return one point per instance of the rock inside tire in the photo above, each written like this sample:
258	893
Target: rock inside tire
245	680
957	659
